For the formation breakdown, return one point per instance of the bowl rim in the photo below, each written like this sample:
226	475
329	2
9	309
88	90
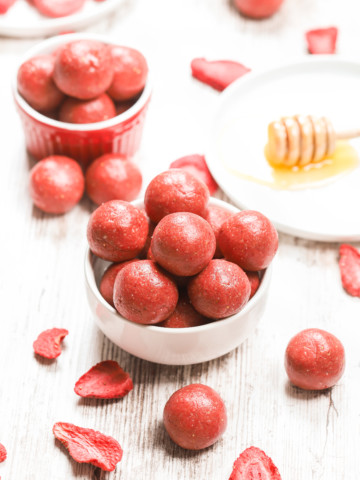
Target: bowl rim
91	283
48	45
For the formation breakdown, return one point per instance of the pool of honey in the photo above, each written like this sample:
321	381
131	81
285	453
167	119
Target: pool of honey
344	159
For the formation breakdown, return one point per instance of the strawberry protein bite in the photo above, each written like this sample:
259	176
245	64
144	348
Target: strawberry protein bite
94	110
112	177
130	73
48	343
117	231
314	359
108	280
89	446
36	85
175	191
144	293
184	315
220	290
83	69
56	184
105	380
216	216
196	165
195	417
183	243
254	464
249	239
254	280
349	264
218	74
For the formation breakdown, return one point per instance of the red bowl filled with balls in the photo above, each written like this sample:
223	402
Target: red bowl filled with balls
82	96
187	336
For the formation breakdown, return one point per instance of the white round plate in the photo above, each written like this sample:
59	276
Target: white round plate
23	20
320	85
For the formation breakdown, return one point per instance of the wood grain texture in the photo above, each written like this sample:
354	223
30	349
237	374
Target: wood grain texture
308	435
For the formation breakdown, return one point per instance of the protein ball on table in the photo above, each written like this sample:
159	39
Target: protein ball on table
108	280
112	177
56	184
220	290
248	239
175	191
184	315
314	359
216	216
117	231
83	69
195	416
143	293
183	243
36	85
130	73
94	110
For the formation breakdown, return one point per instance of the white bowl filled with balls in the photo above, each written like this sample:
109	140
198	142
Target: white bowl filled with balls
179	277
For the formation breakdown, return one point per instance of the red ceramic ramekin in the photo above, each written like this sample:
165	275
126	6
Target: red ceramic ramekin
83	142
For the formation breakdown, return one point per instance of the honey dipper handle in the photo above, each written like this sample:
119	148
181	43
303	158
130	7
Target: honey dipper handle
347	134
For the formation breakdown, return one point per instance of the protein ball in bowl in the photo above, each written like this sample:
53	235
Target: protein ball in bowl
220	290
183	243
216	216
143	293
113	177
117	231
83	69
108	280
314	359
94	110
184	315
175	191
248	239
195	417
36	85
56	184
130	73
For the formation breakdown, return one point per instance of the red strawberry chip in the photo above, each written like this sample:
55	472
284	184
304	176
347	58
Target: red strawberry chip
322	40
48	342
3	453
196	164
254	464
349	264
217	73
105	380
89	446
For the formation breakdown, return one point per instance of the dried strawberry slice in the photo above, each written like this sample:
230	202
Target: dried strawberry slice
105	380
89	446
60	8
3	453
217	73
5	5
349	264
322	40
254	464
196	164
48	342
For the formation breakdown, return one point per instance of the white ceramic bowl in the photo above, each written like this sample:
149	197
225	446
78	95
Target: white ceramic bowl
173	346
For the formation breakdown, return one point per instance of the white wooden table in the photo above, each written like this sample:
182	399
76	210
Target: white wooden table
308	435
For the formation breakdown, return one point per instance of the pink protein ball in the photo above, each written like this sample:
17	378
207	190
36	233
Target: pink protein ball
216	216
195	416
117	231
184	315
248	239
36	85
56	184
94	110
83	69
143	293
183	243
175	191
220	290
112	177
108	280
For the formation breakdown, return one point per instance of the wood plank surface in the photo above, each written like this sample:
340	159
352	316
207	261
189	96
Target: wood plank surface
308	435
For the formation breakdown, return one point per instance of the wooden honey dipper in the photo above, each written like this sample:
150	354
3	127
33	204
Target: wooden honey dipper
302	139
